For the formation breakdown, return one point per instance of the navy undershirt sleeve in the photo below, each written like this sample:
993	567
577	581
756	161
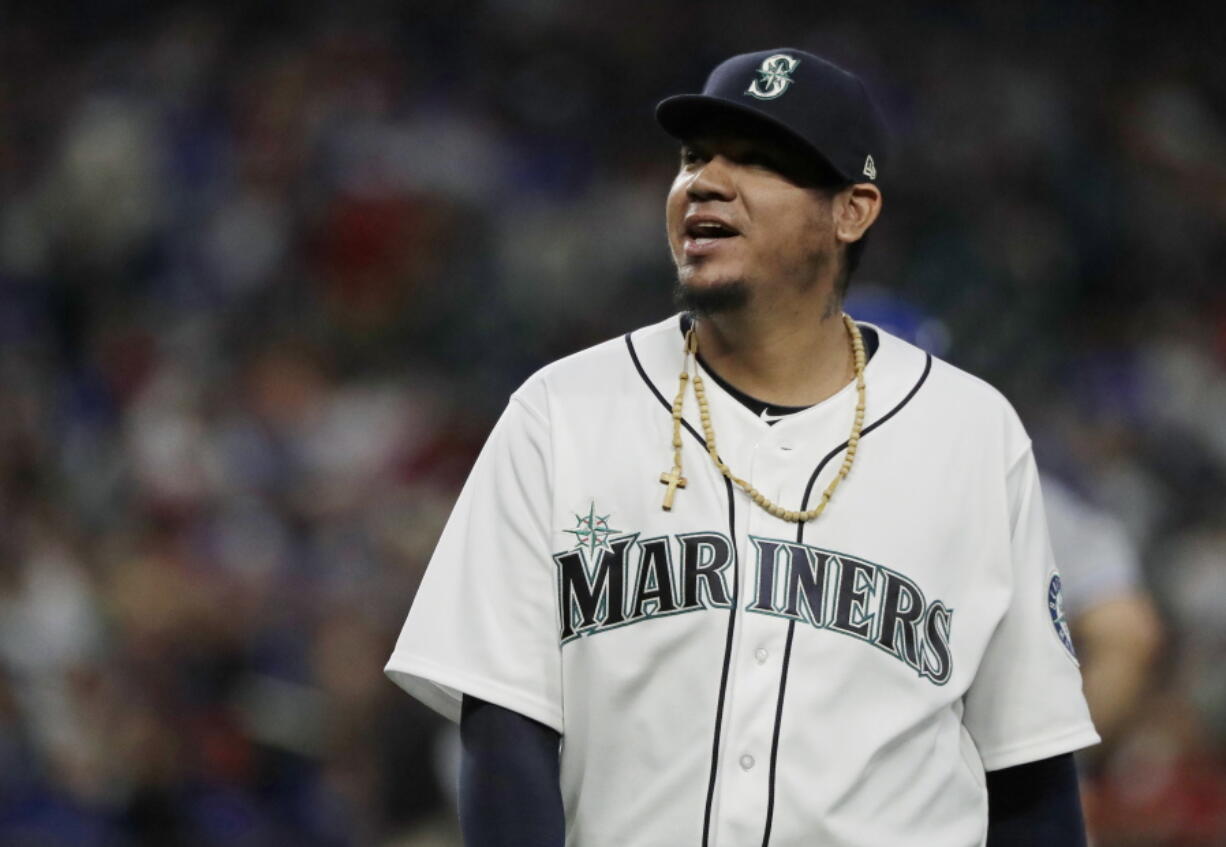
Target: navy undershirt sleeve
510	795
1036	803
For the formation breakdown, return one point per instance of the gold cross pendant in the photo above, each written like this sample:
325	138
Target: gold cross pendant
674	480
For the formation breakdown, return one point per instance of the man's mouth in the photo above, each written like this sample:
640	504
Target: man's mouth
704	234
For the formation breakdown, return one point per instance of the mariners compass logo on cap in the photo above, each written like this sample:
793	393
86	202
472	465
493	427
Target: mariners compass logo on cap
774	76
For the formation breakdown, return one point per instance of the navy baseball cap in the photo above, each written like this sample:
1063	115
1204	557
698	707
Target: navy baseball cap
813	101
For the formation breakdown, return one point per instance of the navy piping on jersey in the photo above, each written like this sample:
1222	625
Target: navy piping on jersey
800	537
732	609
723	676
723	682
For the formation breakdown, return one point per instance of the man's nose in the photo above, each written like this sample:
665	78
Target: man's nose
713	181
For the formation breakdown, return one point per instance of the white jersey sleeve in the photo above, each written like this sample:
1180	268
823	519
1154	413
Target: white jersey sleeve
483	621
1025	703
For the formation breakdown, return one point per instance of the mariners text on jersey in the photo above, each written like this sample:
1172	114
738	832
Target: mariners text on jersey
686	573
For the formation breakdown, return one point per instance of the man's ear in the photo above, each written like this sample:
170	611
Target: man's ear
856	207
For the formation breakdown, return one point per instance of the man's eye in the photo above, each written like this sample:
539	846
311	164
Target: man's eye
689	157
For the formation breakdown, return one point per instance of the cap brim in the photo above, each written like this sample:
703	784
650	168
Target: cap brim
683	115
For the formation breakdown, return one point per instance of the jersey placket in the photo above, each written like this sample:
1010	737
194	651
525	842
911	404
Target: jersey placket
745	776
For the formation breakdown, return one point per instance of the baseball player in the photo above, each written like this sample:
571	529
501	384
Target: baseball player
757	574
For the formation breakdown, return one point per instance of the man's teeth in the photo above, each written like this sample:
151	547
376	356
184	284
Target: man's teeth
707	231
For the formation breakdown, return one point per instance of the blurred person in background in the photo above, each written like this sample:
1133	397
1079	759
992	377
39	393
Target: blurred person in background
1115	625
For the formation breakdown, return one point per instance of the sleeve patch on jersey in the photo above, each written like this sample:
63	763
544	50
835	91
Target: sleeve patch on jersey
1055	607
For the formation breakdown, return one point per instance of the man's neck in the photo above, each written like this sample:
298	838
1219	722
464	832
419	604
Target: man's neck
787	359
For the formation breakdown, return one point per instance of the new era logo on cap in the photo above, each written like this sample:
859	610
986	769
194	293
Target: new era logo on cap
870	167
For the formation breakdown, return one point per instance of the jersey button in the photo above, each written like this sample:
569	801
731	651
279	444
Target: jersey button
746	762
761	655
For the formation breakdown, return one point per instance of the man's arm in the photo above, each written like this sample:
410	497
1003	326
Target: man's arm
1036	803
509	779
1118	639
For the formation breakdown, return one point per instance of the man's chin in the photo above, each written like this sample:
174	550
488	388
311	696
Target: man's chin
712	298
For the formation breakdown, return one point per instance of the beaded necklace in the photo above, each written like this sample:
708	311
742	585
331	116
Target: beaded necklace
674	480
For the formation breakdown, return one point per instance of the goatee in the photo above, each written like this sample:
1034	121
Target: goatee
711	299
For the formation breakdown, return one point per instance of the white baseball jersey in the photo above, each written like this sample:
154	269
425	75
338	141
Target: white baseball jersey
724	678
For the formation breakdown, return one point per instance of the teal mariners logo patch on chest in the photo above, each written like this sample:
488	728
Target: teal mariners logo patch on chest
1059	620
774	76
624	580
592	531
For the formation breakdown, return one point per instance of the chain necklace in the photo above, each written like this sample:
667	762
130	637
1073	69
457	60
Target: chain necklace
674	480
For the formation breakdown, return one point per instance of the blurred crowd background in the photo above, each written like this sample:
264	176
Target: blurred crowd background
269	272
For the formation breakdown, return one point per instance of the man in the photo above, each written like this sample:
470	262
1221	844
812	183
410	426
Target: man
1118	630
768	576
